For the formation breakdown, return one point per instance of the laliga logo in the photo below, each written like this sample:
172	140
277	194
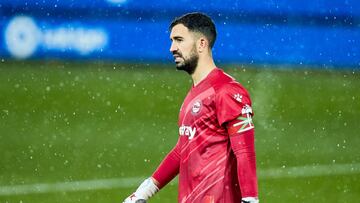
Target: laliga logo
23	37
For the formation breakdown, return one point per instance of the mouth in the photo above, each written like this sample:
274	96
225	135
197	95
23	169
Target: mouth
177	57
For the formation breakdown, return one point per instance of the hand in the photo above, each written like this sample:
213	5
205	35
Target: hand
146	190
250	200
133	199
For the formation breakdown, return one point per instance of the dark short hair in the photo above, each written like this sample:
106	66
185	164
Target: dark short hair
197	22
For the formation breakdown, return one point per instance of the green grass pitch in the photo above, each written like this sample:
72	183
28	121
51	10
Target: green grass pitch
73	121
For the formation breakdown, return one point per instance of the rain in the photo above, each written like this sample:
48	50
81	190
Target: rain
90	96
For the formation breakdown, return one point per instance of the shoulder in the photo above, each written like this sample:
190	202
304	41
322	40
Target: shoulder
231	99
230	87
226	85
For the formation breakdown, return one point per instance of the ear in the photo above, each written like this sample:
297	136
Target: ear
202	44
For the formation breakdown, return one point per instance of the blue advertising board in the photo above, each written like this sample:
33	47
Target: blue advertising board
333	7
294	32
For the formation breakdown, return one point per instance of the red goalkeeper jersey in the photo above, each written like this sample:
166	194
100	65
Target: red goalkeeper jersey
205	157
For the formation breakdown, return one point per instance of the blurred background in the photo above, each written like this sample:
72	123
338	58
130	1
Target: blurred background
89	95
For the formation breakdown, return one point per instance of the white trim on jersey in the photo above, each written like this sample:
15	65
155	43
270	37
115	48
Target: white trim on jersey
243	123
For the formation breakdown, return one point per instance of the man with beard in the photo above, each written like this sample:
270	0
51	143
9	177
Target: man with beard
215	153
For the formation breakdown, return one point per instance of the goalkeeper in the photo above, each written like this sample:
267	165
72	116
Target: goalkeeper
215	154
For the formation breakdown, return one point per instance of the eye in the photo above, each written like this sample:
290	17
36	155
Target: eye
178	39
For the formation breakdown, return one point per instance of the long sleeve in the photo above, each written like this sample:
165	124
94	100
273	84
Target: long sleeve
243	147
168	168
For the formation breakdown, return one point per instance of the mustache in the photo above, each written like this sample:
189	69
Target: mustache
176	53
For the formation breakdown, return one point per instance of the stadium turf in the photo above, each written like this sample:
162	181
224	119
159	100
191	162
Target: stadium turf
77	121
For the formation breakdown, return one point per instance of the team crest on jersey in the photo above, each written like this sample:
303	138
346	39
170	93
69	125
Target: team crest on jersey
196	107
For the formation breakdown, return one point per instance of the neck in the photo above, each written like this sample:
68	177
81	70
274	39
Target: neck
203	69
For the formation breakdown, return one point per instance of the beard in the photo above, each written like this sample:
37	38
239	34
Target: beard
188	64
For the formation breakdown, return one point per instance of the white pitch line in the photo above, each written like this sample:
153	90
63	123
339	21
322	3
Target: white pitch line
310	171
70	186
275	173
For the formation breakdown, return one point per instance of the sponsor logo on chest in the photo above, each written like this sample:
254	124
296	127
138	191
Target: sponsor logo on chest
187	131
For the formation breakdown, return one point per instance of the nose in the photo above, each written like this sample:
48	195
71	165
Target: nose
173	47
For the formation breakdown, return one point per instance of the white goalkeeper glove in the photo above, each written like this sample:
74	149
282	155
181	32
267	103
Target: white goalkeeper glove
146	190
249	200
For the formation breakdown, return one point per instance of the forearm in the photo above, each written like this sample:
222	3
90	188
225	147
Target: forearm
166	171
244	150
168	168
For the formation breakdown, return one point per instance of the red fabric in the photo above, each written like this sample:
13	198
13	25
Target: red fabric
208	166
206	157
231	99
243	147
168	168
